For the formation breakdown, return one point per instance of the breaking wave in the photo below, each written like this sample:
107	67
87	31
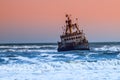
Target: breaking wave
27	48
108	48
43	62
63	70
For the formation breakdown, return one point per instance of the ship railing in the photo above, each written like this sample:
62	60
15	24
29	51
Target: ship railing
68	35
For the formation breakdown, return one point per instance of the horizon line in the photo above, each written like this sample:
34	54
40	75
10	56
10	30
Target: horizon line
54	42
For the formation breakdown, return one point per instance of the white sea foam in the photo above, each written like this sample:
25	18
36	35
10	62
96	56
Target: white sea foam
108	48
33	60
27	50
49	66
101	70
28	46
46	50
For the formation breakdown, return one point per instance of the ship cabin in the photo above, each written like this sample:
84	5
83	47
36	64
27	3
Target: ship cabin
74	37
71	33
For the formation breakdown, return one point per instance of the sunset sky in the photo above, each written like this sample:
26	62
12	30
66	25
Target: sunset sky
37	21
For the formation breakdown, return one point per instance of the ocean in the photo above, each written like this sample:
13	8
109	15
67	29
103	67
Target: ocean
43	62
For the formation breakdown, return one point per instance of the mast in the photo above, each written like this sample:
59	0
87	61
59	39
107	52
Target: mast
68	24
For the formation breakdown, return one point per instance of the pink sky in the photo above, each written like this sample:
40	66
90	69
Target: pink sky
41	20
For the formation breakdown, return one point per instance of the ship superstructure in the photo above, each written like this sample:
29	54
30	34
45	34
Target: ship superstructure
72	38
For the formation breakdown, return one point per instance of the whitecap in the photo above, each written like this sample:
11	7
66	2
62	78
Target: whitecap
108	48
74	70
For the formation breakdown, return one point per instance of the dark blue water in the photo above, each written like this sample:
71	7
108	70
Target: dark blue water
43	62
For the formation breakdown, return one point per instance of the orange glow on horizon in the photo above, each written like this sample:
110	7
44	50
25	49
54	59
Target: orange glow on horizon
38	15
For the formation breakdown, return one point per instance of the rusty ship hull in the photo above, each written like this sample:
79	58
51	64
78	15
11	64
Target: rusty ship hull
71	46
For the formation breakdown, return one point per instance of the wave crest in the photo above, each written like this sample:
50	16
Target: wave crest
108	48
